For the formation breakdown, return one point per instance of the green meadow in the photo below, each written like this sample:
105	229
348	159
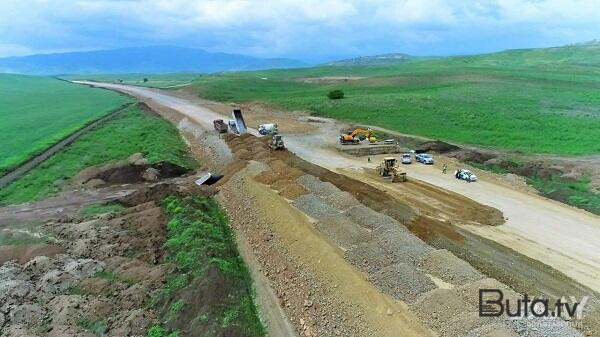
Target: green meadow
37	112
534	101
131	131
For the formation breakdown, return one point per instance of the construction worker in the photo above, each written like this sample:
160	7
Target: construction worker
444	169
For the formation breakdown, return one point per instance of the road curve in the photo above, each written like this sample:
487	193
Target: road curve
561	236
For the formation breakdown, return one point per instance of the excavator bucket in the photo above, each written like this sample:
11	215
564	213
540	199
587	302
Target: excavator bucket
239	121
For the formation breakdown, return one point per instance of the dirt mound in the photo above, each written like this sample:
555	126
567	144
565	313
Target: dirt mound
538	169
157	192
127	174
438	146
473	156
24	253
267	177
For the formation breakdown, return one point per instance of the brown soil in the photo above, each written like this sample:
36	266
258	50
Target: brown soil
24	253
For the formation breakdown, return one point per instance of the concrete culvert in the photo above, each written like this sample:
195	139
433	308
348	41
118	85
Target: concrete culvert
444	265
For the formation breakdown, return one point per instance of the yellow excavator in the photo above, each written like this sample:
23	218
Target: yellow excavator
389	168
356	135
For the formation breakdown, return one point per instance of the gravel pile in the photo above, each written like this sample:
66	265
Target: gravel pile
316	186
342	200
496	329
314	206
341	230
444	265
403	281
369	257
368	218
438	307
532	327
470	292
401	244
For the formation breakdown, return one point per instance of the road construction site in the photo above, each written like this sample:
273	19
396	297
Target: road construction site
337	250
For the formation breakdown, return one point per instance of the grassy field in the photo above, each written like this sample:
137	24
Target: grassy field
37	112
163	81
133	130
532	101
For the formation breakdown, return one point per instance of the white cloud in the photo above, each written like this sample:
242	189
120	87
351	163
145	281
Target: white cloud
296	28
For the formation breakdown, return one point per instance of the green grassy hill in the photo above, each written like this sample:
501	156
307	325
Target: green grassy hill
533	101
37	112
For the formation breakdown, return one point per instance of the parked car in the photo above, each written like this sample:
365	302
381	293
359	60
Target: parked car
424	158
465	175
406	158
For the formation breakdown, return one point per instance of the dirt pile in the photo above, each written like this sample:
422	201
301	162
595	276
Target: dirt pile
100	280
135	170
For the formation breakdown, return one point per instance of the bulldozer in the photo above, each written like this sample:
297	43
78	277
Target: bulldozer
356	135
389	168
276	142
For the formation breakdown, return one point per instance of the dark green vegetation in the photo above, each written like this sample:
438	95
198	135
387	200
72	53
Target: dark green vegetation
576	193
98	328
37	112
532	101
210	291
131	131
335	94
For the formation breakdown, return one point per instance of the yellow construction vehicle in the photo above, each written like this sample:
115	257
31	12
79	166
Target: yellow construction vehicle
356	135
389	168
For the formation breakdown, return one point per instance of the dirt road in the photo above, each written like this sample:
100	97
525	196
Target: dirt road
555	234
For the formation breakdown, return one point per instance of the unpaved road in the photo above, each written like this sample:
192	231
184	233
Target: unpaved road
563	237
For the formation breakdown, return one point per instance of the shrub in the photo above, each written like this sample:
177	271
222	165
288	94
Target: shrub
335	94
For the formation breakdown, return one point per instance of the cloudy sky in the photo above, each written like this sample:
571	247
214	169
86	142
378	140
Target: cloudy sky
309	30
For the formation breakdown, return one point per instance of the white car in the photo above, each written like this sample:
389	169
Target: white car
465	175
406	158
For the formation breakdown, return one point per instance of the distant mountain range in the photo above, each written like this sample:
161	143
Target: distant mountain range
161	59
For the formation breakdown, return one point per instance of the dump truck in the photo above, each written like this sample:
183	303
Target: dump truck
220	126
267	129
237	124
389	168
